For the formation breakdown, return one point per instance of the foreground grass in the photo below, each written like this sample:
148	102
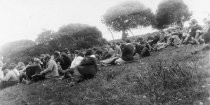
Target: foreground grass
173	76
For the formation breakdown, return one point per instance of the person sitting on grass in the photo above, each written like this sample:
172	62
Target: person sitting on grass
117	53
142	48
51	70
1	72
31	70
88	67
195	32
59	59
128	51
108	53
74	65
11	78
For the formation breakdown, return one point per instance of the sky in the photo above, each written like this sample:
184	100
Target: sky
25	19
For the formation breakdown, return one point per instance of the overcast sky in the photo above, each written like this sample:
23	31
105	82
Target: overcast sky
24	19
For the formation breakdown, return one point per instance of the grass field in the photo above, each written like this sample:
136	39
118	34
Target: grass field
173	76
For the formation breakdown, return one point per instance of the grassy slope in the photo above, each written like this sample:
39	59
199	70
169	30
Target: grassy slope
113	85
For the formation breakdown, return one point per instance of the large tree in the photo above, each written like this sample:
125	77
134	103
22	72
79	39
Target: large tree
128	15
76	36
171	11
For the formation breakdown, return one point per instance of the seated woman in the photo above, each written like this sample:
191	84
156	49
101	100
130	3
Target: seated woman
31	70
51	70
74	65
11	78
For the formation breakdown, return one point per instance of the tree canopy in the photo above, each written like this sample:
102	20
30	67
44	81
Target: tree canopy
72	36
128	15
44	37
72	28
171	11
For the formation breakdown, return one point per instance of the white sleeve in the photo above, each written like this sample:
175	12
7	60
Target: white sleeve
1	74
7	76
76	62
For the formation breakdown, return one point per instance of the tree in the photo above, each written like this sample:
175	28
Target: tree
128	15
171	11
44	37
88	37
70	29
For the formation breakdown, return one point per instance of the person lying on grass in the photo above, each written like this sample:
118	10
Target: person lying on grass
11	77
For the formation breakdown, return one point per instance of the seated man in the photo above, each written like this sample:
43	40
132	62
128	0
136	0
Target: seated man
117	53
142	49
50	72
127	53
63	61
88	67
108	53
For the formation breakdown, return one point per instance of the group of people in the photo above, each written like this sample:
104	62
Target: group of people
81	65
177	35
77	66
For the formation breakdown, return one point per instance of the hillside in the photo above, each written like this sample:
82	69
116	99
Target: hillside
137	83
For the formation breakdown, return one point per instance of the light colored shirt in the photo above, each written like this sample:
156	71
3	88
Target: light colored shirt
16	72
118	51
76	62
11	76
51	70
1	74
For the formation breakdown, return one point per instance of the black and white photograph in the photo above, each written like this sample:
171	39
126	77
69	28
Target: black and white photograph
104	52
